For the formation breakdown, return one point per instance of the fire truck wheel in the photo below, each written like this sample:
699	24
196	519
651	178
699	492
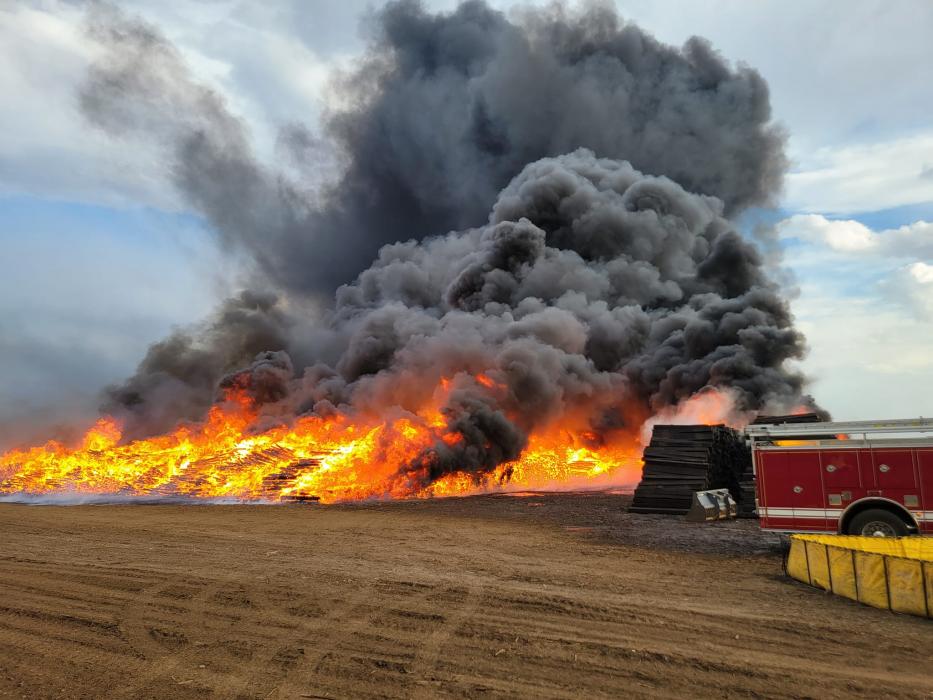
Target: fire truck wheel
877	523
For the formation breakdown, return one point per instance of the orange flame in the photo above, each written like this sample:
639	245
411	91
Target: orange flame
335	458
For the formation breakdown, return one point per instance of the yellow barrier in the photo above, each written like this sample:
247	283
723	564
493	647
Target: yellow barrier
891	573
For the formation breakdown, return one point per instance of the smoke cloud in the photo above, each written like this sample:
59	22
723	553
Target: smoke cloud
441	113
585	174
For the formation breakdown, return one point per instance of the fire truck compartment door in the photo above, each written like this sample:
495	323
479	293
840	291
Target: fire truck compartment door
894	469
775	489
840	470
807	491
925	467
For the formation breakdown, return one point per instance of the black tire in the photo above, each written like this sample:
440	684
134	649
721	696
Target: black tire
876	522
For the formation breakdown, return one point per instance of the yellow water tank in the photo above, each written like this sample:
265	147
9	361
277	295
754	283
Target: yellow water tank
891	573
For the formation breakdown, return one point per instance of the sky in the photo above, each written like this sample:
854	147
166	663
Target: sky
102	257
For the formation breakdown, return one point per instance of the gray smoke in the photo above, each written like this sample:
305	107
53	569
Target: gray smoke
589	170
179	376
445	109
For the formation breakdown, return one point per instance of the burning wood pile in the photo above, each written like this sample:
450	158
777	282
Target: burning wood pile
281	486
200	481
682	459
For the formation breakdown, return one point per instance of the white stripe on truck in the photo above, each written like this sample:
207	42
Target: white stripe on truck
835	513
802	512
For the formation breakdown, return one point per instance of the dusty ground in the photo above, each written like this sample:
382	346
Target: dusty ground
541	596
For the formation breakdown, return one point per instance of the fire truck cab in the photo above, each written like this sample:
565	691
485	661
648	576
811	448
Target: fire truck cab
858	478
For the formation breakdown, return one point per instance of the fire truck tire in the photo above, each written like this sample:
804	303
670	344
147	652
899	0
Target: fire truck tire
876	522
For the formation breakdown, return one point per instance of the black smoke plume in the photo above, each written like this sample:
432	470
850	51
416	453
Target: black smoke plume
589	172
444	110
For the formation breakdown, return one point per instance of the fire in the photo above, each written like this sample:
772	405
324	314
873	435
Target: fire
335	458
707	407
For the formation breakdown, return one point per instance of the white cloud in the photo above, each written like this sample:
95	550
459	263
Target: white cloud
839	235
912	285
922	273
911	241
864	177
267	75
846	334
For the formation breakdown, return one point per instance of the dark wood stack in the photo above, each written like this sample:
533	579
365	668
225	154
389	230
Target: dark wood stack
682	459
796	418
744	493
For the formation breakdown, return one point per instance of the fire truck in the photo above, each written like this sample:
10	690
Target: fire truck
857	478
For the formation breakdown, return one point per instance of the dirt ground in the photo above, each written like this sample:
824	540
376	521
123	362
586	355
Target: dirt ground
541	596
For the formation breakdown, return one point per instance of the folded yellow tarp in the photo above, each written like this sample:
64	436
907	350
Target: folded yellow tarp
891	573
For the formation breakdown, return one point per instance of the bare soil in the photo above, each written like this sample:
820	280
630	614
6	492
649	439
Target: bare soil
541	596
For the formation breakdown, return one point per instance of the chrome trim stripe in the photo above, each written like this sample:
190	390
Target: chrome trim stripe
801	512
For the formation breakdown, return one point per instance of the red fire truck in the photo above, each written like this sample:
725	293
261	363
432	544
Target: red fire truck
849	478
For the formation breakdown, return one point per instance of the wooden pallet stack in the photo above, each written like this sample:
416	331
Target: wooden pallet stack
795	418
682	459
744	490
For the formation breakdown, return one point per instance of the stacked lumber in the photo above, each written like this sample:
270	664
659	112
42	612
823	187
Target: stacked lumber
745	489
796	418
682	459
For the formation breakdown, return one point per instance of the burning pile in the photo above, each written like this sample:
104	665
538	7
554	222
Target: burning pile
582	294
313	458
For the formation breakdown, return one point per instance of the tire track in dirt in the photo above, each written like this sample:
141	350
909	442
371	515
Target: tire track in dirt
428	677
321	638
163	646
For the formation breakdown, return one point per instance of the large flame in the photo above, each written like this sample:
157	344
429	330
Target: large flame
330	459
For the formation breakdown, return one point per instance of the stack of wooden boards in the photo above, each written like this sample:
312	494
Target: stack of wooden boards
745	495
682	459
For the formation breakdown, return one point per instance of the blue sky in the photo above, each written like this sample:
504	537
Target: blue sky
86	289
102	258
